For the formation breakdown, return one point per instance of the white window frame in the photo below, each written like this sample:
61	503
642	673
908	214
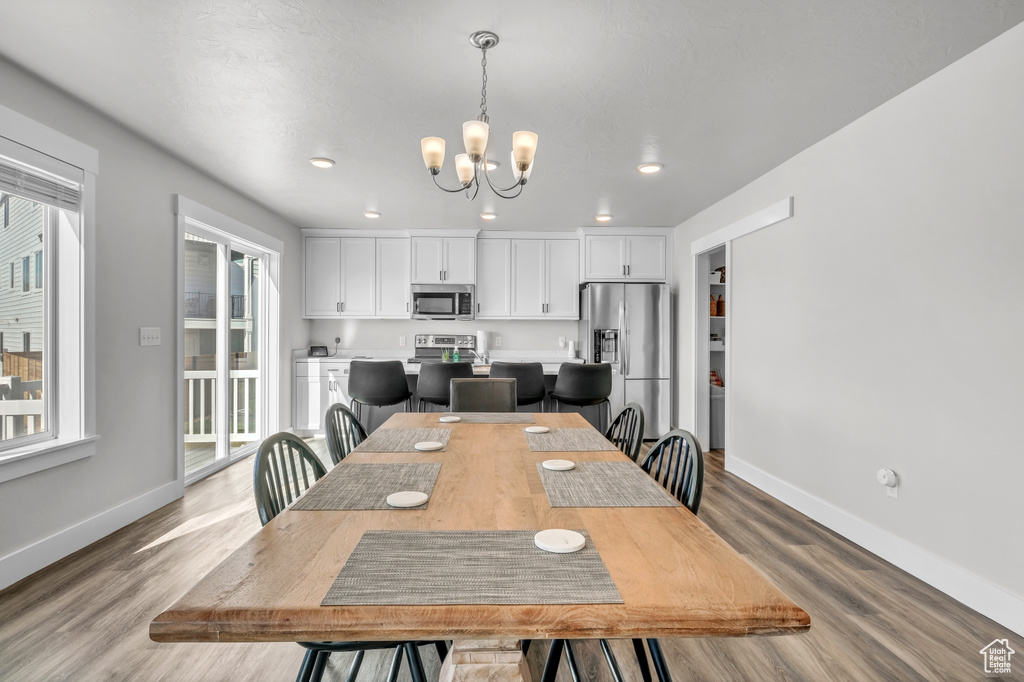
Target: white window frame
194	218
71	345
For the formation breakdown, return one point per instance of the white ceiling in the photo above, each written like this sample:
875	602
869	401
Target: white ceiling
719	91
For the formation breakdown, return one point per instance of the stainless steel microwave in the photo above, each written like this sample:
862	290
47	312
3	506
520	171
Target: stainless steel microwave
443	301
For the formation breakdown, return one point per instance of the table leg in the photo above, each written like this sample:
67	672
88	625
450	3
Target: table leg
485	660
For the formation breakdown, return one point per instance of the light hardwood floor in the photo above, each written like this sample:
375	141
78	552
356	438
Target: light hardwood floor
86	617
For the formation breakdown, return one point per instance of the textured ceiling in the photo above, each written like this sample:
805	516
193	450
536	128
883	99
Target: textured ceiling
719	92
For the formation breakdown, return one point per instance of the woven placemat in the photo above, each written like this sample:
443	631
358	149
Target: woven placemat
367	486
468	567
604	484
568	440
493	417
402	440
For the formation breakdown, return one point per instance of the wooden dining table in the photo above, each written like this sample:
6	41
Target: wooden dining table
675	576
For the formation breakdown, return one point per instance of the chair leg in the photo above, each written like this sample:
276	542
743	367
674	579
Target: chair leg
641	659
319	666
415	663
551	664
396	663
353	670
442	650
306	669
570	658
613	665
660	666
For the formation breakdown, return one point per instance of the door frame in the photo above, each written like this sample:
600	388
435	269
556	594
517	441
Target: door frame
230	234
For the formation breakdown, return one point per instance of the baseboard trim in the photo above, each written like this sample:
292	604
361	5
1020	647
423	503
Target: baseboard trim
27	560
966	587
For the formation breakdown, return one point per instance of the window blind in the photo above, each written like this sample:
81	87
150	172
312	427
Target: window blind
39	186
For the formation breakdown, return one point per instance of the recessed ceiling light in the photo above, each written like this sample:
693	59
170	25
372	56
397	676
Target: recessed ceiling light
371	214
491	165
649	167
603	218
487	215
321	162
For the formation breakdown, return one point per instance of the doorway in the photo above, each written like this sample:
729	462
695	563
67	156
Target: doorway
711	345
228	350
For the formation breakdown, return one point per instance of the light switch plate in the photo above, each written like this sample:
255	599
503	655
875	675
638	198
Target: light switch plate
149	336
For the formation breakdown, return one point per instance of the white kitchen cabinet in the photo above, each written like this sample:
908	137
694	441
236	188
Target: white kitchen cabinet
443	260
392	278
339	277
610	258
545	278
494	278
318	385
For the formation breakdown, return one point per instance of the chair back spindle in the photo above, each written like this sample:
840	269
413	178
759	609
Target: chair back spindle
676	461
284	469
627	430
344	432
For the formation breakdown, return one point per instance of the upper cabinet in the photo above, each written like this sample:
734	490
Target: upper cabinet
641	257
339	277
392	278
545	279
494	278
355	277
443	260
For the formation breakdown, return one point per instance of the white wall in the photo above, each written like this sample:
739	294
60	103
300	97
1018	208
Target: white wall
883	325
135	272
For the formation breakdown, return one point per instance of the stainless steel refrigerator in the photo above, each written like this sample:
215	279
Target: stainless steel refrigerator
629	326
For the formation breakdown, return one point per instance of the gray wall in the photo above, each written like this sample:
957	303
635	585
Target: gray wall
883	324
135	271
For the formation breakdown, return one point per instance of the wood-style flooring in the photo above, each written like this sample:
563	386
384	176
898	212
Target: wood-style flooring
86	617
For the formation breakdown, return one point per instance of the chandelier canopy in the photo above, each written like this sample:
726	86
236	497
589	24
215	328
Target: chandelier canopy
473	165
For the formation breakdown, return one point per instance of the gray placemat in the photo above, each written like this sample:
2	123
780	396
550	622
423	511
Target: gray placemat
604	484
568	440
402	440
367	486
468	567
494	417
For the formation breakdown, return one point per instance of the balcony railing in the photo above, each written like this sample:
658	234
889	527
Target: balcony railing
200	305
21	393
200	406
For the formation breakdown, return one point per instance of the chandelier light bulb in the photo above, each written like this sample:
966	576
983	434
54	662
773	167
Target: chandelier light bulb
433	153
464	168
474	135
520	176
524	146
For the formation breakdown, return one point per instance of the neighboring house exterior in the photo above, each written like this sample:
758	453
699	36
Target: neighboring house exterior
21	274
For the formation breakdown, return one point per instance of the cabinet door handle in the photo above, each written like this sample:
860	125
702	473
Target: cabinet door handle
477	308
406	306
440	275
337	306
627	270
342	306
446	275
623	270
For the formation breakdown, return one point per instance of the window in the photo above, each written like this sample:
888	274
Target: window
47	191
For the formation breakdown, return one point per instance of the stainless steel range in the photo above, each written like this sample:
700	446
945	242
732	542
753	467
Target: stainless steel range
431	347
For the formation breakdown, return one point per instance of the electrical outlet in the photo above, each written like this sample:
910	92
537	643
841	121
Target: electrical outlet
497	341
149	336
401	340
337	339
561	342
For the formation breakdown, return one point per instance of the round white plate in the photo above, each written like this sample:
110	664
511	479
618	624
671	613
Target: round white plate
537	429
558	464
428	445
559	540
407	498
450	419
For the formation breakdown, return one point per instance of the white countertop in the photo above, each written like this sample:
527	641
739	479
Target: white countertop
551	360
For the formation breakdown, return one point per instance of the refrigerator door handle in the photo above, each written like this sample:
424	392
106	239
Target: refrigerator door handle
625	339
622	337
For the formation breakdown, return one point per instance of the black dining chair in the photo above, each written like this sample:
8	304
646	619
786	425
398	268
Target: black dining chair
344	432
626	431
529	378
284	470
434	382
583	386
483	395
377	384
676	461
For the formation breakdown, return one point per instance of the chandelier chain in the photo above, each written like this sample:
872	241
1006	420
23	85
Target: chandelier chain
483	87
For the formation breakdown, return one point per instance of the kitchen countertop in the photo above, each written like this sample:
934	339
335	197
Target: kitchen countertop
551	360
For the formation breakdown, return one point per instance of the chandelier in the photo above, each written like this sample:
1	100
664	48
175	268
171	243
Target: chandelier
473	165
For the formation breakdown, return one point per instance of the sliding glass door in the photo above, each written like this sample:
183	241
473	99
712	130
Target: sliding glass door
224	357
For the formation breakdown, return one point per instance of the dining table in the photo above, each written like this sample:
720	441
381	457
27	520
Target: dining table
345	566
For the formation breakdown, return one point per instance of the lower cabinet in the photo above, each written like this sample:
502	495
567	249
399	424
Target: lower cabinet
318	385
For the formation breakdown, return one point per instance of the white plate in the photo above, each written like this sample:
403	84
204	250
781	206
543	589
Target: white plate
429	445
537	429
558	464
559	540
450	419
407	498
